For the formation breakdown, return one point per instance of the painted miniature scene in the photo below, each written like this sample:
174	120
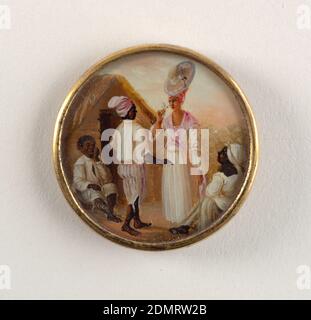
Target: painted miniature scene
160	199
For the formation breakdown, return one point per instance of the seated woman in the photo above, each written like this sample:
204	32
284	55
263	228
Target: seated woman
219	193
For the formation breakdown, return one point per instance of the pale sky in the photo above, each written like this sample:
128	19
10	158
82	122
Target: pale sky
208	98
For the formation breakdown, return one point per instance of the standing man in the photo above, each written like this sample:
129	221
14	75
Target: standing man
132	174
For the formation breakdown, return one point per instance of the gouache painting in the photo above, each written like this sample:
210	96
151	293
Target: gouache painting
154	148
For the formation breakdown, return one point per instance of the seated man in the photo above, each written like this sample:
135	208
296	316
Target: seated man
93	180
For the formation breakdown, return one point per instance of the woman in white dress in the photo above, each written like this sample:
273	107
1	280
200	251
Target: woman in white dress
220	192
176	179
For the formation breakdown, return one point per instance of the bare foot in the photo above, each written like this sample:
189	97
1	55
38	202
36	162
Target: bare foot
130	230
113	218
139	224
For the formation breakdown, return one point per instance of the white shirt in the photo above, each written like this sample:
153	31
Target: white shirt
222	189
86	171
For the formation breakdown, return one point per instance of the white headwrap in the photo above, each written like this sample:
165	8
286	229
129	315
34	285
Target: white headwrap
121	104
236	155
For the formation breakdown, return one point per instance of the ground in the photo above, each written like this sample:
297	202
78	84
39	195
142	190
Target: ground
149	212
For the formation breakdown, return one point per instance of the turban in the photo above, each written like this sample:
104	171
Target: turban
236	155
121	104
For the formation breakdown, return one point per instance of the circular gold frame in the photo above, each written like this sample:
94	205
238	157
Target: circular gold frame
253	149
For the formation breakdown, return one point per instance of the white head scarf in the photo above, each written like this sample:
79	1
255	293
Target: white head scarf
121	104
236	155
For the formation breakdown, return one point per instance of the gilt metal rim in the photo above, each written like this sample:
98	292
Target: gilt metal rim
253	147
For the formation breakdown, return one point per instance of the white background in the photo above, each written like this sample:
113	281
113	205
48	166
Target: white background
52	253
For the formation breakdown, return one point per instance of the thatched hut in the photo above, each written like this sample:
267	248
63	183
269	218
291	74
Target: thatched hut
89	115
